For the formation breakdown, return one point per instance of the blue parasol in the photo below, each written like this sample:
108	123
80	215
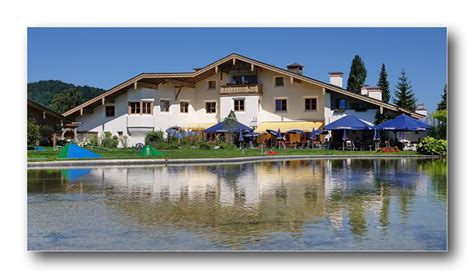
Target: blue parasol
403	123
277	134
231	127
296	131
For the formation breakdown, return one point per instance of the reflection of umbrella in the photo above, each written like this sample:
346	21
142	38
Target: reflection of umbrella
75	174
401	135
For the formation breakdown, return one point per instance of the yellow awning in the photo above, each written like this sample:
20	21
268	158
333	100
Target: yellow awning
199	126
289	125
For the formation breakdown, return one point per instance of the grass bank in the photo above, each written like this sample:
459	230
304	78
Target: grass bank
51	155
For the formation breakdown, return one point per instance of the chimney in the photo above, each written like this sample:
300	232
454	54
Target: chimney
364	90
420	109
374	92
296	68
335	78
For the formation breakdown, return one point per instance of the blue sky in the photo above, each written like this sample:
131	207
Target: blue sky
105	57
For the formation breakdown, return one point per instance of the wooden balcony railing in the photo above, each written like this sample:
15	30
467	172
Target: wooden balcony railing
242	89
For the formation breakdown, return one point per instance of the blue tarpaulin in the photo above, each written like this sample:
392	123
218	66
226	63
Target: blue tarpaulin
234	127
403	123
74	151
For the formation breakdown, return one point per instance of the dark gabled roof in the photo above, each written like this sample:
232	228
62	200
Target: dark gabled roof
183	76
48	111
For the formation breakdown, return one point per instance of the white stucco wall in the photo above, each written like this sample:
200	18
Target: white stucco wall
295	94
248	117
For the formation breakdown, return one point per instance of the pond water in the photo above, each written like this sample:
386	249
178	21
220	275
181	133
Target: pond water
309	205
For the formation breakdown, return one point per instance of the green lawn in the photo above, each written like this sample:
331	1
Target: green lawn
51	154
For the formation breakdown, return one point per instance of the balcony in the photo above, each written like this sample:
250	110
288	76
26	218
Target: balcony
241	89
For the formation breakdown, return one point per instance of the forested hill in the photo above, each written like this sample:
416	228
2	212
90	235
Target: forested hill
60	96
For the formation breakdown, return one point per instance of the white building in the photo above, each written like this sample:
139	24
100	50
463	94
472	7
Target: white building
261	95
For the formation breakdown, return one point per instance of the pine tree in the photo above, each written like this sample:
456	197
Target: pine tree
384	85
404	96
357	75
443	105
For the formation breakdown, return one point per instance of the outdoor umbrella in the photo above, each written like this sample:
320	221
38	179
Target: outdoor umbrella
296	131
403	123
172	132
251	134
277	134
315	133
232	127
346	123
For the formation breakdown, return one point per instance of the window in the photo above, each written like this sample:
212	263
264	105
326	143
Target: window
119	133
184	107
279	81
244	79
147	107
311	104
341	104
211	84
110	111
134	107
138	107
210	107
239	104
280	105
165	105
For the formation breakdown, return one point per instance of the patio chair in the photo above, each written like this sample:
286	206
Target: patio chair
349	145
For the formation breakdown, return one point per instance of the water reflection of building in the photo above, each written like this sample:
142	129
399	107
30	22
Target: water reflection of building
256	198
243	183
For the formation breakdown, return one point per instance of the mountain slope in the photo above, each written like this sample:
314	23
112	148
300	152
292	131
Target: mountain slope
44	91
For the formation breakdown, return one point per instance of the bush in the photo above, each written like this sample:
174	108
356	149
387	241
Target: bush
204	146
227	146
33	132
166	146
432	146
109	141
93	141
154	137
